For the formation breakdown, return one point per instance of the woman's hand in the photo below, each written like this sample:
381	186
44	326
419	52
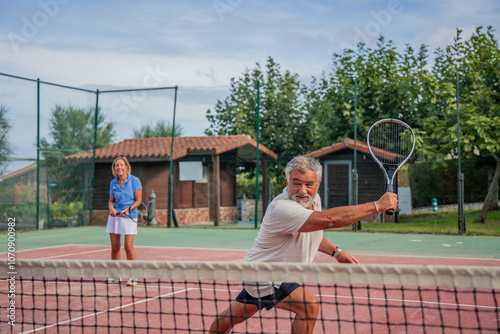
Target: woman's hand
113	212
125	212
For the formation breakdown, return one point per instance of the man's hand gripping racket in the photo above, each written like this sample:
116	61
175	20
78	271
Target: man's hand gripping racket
391	143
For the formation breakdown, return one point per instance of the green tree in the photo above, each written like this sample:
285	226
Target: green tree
160	129
71	131
389	84
5	150
245	185
281	112
476	61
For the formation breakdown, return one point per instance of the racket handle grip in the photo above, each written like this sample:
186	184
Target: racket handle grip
390	212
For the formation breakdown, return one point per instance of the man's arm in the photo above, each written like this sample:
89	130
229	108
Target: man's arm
348	215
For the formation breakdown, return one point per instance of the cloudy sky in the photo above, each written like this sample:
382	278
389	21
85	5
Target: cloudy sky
200	45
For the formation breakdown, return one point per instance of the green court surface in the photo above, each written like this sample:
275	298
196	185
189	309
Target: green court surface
242	239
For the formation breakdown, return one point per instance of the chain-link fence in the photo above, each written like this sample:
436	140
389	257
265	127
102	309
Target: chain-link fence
439	186
18	195
48	122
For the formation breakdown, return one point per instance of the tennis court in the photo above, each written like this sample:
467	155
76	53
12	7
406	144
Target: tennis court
203	273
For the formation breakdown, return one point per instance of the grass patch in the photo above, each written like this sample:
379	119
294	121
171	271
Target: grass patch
445	222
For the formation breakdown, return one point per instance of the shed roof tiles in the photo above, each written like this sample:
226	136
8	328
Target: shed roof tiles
160	148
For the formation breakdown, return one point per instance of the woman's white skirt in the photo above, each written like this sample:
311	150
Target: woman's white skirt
121	225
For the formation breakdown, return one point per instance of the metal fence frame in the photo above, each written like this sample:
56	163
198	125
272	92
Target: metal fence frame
97	93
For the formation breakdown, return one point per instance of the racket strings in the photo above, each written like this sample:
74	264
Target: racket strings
391	142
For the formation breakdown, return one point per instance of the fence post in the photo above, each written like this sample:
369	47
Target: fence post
460	188
37	223
171	213
96	117
461	215
256	224
356	226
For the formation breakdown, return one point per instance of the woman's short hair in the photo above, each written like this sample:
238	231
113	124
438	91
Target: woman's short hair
303	164
129	168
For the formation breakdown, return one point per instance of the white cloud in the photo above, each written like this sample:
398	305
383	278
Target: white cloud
127	70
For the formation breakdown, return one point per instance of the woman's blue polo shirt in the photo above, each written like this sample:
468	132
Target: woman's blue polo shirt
124	196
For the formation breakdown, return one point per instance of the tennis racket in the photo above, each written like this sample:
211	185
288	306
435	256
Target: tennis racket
142	215
391	143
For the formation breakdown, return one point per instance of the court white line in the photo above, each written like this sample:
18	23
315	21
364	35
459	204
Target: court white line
71	254
108	310
58	246
423	302
42	248
106	249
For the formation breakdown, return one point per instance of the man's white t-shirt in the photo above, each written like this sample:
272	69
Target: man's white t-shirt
279	239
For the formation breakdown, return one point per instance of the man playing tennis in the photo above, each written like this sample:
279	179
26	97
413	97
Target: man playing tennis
292	231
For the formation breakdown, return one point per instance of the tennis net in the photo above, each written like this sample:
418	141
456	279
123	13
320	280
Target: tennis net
63	296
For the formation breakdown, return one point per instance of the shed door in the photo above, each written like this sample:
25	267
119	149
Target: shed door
338	184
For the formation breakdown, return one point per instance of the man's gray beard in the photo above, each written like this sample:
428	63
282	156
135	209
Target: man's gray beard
305	204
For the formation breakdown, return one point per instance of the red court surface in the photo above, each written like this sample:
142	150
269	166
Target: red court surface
119	305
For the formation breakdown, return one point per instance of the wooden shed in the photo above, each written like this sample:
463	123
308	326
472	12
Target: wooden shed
204	174
337	186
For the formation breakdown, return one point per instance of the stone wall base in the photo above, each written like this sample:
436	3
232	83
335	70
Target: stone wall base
191	216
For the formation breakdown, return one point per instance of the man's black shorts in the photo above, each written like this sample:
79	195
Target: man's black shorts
268	301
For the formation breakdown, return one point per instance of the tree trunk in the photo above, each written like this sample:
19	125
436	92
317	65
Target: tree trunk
495	203
494	183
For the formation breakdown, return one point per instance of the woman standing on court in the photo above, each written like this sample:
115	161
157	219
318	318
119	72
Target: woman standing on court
125	193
